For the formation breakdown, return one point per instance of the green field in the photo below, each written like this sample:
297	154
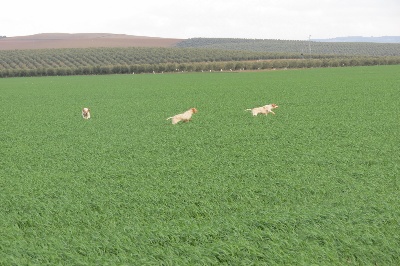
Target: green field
316	184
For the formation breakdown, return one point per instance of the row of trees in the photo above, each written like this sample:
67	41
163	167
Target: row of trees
200	66
295	47
97	61
90	57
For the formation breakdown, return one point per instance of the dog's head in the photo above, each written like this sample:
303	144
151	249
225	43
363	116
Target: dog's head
274	105
194	110
85	110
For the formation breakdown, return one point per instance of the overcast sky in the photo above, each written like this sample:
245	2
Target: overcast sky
261	19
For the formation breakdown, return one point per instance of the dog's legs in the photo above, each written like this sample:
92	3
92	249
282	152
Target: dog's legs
175	120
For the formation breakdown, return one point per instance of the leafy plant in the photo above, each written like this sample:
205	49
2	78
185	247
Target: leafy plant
315	184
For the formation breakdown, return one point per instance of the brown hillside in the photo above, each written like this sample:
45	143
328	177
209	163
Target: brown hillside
82	40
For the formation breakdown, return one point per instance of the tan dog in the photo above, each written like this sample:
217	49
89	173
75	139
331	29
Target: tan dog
86	113
185	117
263	109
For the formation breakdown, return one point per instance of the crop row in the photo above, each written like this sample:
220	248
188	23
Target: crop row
316	184
198	67
295	47
54	58
95	61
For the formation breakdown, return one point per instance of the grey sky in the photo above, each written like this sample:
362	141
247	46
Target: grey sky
262	19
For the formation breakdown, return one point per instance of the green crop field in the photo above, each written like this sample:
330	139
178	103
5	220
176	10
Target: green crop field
317	183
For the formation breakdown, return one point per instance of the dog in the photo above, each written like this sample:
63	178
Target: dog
86	113
185	117
263	109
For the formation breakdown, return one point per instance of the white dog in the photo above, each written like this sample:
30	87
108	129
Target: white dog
86	113
185	117
263	109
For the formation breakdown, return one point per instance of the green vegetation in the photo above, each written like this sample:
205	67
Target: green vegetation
113	60
98	61
316	184
296	47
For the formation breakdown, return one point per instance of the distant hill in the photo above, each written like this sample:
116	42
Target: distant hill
82	40
383	39
119	54
346	46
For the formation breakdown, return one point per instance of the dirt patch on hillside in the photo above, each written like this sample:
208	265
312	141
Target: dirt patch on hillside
82	40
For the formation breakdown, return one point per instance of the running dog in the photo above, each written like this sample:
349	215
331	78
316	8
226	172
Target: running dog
263	109
185	117
86	113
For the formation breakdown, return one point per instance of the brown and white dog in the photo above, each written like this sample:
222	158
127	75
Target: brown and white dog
185	117
263	109
86	113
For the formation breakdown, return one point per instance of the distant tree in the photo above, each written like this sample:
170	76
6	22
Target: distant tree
77	71
105	70
50	72
170	67
133	69
86	70
334	63
124	69
61	72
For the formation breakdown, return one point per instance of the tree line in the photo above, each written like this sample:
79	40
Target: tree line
306	48
198	67
100	61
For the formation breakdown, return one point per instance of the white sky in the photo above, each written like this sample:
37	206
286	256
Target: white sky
261	19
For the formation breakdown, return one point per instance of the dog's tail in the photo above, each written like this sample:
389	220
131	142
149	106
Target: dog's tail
248	110
169	118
